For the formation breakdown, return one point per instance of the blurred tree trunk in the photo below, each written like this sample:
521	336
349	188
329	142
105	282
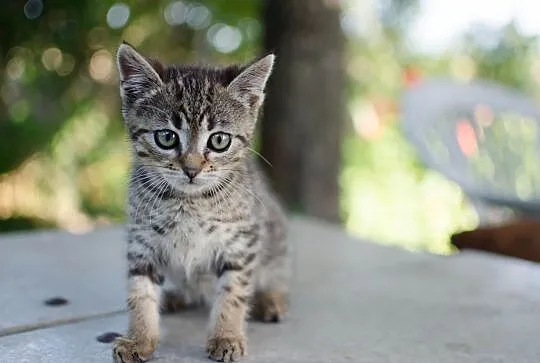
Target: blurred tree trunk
304	109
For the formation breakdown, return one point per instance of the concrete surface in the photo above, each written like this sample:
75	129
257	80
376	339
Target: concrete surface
84	269
353	302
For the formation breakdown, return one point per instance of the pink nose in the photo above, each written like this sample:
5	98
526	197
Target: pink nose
191	172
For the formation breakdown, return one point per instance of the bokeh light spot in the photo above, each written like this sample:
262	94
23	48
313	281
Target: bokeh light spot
118	15
411	76
51	58
19	111
101	65
33	9
198	17
250	27
484	115
466	137
136	33
67	66
224	38
15	68
10	92
350	24
366	121
175	13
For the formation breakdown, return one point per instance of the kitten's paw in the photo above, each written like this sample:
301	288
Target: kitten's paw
269	306
226	349
126	350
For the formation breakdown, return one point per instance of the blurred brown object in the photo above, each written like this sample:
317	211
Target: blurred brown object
519	238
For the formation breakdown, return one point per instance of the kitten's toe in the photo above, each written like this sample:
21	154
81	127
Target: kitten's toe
126	350
269	306
226	349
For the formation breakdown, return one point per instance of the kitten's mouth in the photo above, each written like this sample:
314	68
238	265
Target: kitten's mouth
194	186
191	186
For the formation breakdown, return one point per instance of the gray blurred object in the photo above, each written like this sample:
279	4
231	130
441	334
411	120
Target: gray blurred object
501	174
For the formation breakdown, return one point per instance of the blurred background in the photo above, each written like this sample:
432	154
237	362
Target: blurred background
332	127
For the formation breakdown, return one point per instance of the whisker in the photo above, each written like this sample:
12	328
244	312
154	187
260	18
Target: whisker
158	196
144	202
260	155
147	197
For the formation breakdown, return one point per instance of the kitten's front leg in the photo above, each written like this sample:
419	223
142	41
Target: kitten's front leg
143	304
227	340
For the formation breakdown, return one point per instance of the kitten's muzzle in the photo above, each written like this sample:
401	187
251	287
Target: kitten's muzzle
191	171
192	164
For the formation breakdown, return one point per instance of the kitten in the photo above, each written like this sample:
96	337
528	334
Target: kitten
201	217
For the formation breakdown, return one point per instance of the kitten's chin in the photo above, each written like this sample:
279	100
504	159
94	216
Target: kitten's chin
192	188
196	188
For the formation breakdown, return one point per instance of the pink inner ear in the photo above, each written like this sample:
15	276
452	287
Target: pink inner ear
127	68
252	99
249	85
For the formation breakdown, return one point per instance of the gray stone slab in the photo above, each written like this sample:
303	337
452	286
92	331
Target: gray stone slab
352	302
87	270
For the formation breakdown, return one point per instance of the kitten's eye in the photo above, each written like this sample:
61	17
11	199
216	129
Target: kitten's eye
219	141
166	139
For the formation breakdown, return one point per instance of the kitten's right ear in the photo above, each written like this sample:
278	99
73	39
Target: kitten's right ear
249	85
132	66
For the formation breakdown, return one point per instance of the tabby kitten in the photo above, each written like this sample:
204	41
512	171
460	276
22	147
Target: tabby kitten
202	219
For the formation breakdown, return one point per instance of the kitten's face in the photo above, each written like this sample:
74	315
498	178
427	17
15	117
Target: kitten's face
191	126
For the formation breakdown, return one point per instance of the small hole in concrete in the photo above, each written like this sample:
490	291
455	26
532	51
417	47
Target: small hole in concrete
56	301
108	337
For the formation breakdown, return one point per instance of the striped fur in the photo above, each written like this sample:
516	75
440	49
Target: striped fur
204	227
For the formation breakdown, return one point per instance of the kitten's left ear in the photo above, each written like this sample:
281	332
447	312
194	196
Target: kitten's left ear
248	86
134	66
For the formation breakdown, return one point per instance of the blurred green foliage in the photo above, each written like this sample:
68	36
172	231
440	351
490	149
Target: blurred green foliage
60	125
63	151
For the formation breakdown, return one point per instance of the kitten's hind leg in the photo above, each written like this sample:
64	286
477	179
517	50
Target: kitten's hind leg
269	306
270	300
177	293
173	301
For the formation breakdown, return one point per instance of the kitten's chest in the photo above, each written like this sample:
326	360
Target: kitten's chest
190	246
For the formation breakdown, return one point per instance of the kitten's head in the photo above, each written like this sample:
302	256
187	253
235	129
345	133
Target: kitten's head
192	125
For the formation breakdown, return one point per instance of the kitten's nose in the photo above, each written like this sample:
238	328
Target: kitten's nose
191	171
